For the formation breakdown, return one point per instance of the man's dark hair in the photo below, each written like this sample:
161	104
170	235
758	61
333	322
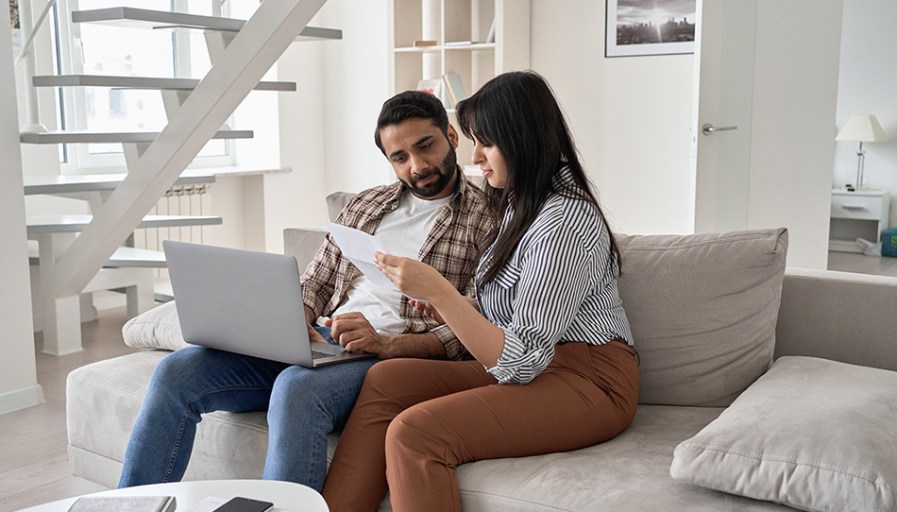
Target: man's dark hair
409	105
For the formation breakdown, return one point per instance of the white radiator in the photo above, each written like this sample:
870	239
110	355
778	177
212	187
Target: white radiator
193	199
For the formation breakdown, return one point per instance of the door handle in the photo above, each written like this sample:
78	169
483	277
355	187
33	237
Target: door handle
709	129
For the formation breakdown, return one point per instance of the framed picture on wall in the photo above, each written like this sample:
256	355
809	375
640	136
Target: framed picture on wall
649	27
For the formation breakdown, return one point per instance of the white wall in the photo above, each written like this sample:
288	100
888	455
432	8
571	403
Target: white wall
327	127
868	85
356	72
631	116
18	377
632	120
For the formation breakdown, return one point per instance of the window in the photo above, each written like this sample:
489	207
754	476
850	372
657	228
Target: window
100	49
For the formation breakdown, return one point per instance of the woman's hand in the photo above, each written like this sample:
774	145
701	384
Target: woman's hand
413	278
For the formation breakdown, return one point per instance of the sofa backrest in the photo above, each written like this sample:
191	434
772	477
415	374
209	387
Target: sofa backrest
841	316
703	311
703	307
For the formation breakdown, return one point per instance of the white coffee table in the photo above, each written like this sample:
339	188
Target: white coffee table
286	496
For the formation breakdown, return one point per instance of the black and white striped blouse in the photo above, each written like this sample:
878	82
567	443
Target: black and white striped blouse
558	286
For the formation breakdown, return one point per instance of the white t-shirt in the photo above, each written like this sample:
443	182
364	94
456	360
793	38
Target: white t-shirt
404	232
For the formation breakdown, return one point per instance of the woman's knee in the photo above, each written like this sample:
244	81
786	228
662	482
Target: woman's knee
418	431
392	377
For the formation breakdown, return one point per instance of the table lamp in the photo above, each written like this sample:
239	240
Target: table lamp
862	128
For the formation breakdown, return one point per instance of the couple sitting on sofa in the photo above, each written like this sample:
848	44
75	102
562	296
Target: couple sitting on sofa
549	328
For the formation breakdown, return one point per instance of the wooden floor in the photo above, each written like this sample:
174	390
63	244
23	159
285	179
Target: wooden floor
862	264
33	459
34	465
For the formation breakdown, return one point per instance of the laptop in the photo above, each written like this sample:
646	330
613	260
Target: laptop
246	302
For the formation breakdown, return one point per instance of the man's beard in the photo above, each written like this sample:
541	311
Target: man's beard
446	173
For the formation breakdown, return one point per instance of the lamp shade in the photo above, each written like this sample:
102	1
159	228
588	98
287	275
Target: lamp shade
862	128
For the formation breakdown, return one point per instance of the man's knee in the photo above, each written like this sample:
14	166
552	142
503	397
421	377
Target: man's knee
296	381
179	365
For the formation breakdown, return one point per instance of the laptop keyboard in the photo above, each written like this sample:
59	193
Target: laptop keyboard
315	354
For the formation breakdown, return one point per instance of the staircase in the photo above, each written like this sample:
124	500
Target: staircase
77	254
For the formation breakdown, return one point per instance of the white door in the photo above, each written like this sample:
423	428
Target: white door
764	126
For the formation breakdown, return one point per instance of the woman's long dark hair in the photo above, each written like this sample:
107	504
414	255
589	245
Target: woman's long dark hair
517	113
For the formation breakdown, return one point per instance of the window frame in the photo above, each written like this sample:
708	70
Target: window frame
72	101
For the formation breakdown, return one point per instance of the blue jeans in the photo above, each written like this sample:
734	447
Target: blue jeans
303	405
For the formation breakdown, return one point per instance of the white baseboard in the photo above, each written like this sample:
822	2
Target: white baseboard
21	398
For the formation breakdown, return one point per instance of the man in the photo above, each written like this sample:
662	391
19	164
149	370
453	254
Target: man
432	213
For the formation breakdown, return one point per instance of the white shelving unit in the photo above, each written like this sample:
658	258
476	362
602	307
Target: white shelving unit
460	29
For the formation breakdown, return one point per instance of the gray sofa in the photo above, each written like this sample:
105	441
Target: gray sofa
721	426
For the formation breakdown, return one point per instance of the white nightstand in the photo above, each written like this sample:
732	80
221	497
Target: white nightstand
859	214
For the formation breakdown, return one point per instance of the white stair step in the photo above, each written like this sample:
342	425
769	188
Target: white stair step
70	183
123	257
85	137
146	18
39	224
163	290
137	82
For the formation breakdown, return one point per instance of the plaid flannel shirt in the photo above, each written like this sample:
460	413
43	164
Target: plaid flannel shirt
462	231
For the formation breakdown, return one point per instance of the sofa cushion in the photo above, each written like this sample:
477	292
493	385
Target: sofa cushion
703	311
336	201
629	472
102	402
813	434
158	328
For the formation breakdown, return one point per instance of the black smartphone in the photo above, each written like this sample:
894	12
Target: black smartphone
239	504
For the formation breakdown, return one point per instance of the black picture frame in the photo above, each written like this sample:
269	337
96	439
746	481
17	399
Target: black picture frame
637	28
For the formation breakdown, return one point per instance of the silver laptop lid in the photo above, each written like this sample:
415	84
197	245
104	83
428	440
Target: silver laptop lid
241	301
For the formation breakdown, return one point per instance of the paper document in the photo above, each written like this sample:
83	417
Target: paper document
359	247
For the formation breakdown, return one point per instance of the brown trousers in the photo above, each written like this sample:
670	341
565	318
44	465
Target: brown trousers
417	419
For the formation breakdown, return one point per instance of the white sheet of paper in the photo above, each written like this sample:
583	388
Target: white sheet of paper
207	505
359	247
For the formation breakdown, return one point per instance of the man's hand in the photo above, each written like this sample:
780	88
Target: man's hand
427	309
356	334
314	336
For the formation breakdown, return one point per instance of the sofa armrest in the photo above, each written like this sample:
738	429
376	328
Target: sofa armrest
838	315
303	243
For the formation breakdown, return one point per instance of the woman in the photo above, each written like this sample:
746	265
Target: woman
555	369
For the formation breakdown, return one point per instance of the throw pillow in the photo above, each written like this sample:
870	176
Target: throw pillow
157	328
812	434
703	311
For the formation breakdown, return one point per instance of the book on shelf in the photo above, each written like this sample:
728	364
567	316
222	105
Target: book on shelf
462	43
124	504
432	86
424	42
454	88
490	38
